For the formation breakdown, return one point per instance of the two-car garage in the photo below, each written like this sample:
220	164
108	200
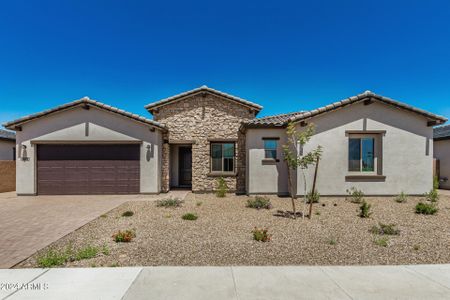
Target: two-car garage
88	169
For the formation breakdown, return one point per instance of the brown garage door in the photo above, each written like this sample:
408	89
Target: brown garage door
88	169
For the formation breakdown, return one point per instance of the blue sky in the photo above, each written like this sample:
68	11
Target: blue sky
286	56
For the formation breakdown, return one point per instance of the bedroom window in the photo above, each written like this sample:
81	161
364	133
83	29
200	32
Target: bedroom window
222	157
361	154
270	148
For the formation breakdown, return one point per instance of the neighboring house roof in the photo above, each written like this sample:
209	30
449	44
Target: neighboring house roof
366	96
442	133
83	102
202	89
7	135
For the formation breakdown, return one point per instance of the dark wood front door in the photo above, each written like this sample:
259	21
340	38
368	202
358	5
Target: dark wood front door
185	166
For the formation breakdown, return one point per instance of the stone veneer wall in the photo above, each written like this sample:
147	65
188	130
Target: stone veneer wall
200	119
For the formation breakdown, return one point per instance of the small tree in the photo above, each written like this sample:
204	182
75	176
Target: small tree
295	158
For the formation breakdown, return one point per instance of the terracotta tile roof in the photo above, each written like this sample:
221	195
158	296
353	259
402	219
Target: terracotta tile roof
442	132
81	102
202	89
275	120
366	96
7	135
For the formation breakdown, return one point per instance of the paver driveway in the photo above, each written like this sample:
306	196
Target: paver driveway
28	224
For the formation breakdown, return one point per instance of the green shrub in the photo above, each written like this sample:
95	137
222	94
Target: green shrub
365	210
383	241
332	241
355	195
222	187
86	253
52	258
105	250
435	182
432	196
124	236
128	213
402	198
170	202
261	235
199	203
426	209
314	197
385	229
416	247
190	217
259	202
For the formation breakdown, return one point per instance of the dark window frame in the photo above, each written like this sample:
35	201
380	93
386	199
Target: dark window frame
271	150
360	168
222	171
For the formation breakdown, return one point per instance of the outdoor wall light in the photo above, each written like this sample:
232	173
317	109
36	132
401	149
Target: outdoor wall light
24	153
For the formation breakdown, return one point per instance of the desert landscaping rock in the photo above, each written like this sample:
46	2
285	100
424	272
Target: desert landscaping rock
222	235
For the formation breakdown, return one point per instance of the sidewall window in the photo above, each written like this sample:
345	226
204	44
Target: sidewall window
362	156
270	148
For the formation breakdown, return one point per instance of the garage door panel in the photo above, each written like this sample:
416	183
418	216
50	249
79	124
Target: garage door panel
60	176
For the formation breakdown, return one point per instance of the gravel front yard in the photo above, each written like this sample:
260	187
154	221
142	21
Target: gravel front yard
222	234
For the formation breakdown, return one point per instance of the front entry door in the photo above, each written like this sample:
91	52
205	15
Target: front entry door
185	166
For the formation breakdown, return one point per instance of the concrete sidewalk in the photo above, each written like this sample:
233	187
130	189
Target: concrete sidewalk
379	282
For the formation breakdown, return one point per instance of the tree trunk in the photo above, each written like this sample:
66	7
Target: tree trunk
313	189
292	193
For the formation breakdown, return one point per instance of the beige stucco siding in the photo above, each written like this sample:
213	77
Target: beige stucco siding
407	150
6	149
265	177
442	152
78	125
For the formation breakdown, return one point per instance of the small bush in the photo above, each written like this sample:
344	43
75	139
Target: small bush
435	182
124	236
355	195
365	210
317	213
385	229
314	197
432	196
105	250
222	188
52	258
383	242
426	209
171	202
128	213
199	203
259	202
261	235
190	217
416	247
332	241
103	216
402	198
86	253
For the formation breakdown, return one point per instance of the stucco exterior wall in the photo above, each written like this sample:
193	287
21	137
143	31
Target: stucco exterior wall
6	149
407	150
198	120
442	152
78	125
265	176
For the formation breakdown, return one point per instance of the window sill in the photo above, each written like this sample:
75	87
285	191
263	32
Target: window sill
269	161
364	177
219	174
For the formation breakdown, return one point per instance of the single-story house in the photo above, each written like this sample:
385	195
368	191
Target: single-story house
370	142
7	145
442	154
